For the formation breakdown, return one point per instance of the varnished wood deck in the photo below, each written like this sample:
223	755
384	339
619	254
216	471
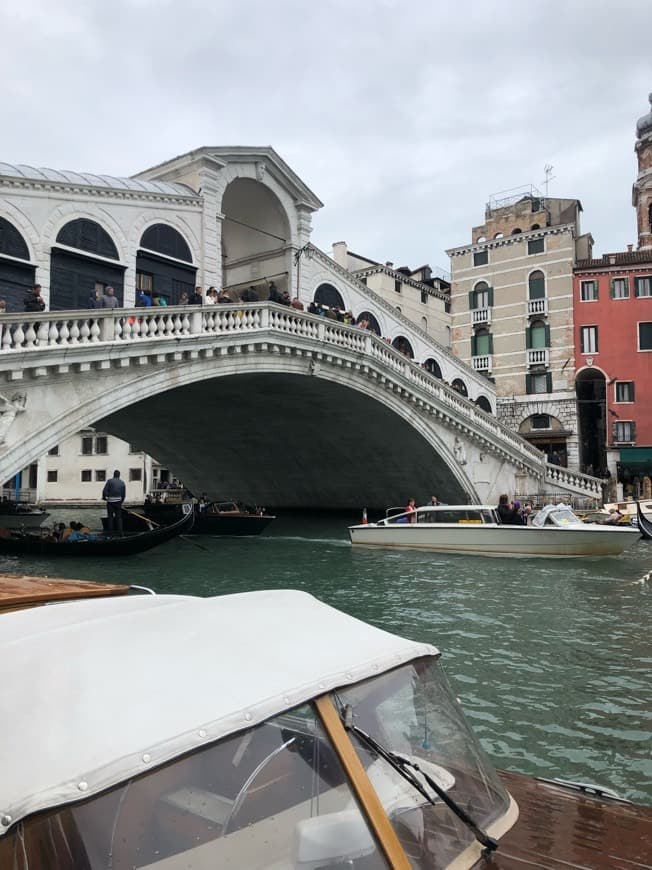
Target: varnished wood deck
560	829
18	591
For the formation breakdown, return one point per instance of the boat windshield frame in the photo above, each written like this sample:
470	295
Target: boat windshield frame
436	514
358	808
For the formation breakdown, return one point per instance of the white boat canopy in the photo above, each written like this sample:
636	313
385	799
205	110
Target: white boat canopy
95	692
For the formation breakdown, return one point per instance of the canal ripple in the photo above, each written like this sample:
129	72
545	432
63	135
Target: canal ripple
551	659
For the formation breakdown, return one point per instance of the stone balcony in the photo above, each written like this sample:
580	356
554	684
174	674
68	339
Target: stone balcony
537	357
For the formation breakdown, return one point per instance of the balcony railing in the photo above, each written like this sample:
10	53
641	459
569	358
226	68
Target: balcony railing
481	316
537	306
538	357
481	363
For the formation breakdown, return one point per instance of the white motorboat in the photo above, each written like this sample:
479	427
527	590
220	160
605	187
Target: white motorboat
260	730
555	531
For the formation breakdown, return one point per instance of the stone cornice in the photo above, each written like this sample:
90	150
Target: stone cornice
510	240
399	276
93	191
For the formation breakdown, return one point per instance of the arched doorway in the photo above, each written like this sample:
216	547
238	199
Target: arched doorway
16	272
431	365
459	385
591	392
255	233
82	267
483	403
329	296
403	346
372	323
547	434
164	264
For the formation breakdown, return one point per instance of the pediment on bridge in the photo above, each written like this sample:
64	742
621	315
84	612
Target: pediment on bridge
216	158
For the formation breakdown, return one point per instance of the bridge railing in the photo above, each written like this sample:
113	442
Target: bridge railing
34	333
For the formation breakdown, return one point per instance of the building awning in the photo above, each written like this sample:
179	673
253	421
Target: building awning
636	455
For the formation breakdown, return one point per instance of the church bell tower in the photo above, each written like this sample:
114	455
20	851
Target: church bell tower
642	190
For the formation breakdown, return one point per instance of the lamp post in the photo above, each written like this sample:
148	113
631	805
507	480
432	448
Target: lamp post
307	250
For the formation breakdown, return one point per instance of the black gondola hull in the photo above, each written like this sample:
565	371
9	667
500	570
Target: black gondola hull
128	545
644	525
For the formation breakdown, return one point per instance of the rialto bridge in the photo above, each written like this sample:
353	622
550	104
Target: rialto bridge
282	407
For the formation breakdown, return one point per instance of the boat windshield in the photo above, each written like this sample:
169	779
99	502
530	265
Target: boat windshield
556	515
413	713
272	796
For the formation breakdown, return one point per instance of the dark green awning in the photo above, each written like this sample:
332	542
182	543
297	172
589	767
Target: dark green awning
636	455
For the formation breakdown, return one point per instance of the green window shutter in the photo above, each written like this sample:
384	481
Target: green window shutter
548	382
632	392
597	346
491	343
636	286
473	345
471	300
612	290
528	338
528	384
633	431
490	291
614	432
547	335
626	286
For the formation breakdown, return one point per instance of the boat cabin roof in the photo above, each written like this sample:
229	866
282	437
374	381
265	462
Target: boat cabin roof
107	689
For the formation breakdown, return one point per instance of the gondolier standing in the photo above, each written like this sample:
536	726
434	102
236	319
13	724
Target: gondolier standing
114	493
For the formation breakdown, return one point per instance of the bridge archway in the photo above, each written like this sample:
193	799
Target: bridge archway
327	294
459	385
164	263
80	264
431	365
372	322
402	345
16	271
256	231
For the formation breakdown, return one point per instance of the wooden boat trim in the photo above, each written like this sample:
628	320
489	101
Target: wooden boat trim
365	792
644	525
18	591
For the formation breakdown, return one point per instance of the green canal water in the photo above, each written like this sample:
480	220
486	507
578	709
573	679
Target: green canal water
552	659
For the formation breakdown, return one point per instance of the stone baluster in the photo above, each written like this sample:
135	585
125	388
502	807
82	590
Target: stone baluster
6	337
64	332
125	328
30	335
74	332
85	331
53	333
42	333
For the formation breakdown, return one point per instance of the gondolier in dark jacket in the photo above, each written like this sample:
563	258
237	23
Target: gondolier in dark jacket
114	493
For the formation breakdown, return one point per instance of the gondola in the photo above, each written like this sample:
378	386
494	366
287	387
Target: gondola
128	545
644	525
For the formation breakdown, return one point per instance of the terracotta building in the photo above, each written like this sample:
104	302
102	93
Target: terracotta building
613	343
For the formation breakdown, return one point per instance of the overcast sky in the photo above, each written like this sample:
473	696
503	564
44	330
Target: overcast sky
403	117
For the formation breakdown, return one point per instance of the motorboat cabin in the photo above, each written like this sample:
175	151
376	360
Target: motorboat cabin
259	730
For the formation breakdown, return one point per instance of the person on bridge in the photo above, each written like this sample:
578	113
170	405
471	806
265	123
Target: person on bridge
114	493
34	300
143	300
197	297
109	300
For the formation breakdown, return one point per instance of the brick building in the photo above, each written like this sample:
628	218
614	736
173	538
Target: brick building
613	343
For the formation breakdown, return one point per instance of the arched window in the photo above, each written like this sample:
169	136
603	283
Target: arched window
88	236
538	335
459	385
11	242
481	296
535	227
431	365
424	324
166	240
372	323
516	231
499	236
328	295
481	239
16	277
483	403
403	346
537	285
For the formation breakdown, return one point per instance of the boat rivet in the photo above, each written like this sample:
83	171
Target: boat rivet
201	732
248	717
147	758
5	820
83	785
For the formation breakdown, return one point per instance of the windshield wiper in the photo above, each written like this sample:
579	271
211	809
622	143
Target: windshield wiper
404	767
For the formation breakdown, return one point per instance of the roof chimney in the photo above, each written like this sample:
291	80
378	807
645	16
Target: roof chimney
389	264
340	251
630	248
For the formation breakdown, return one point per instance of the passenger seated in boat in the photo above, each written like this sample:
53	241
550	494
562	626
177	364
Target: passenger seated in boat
615	516
509	514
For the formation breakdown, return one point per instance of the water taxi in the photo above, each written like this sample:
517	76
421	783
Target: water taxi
555	531
262	730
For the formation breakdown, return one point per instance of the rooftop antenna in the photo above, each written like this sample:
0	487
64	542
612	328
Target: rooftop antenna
549	176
